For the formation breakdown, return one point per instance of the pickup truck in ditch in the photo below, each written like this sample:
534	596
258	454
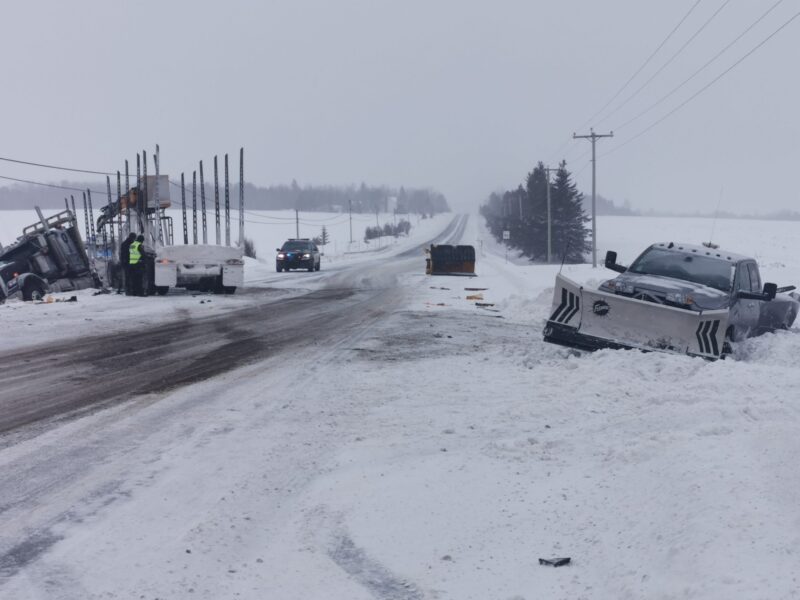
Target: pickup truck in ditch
674	297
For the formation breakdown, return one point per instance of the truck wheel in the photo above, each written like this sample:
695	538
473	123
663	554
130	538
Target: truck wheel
219	288
278	269
727	343
32	291
318	266
162	290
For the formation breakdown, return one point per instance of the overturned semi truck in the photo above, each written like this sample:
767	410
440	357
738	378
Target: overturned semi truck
49	256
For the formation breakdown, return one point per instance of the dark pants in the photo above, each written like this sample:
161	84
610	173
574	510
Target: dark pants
127	277
136	272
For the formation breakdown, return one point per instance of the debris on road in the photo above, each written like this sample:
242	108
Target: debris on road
555	562
51	300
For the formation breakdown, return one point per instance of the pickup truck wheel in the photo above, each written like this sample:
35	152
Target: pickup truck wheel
727	347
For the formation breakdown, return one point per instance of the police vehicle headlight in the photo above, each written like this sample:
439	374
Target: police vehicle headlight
306	255
281	256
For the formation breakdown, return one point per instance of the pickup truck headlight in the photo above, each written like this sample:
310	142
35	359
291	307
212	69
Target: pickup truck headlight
624	287
679	298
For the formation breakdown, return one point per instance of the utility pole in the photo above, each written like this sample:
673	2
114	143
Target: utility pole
297	223
549	218
350	206
593	137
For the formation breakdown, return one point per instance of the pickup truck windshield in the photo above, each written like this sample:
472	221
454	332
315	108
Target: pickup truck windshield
704	270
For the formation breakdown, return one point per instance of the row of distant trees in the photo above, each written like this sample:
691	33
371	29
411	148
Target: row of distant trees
389	229
324	198
523	213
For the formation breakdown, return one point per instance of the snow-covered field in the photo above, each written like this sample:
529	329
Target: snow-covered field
437	454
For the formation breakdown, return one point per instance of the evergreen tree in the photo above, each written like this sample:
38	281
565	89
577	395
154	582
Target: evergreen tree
523	213
569	231
324	237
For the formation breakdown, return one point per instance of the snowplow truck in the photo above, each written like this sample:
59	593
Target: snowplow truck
49	256
674	297
444	259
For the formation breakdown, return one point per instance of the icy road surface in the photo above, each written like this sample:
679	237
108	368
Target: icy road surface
420	447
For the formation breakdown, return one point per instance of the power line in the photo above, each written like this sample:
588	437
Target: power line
704	88
666	64
35	164
567	143
701	69
50	185
644	64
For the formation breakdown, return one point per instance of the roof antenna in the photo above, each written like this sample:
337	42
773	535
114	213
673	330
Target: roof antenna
564	257
710	242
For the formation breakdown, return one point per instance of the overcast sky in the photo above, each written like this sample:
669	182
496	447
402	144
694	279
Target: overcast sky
460	95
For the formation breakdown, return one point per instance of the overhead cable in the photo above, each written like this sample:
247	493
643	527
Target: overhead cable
616	95
666	64
705	87
701	69
35	164
51	185
643	65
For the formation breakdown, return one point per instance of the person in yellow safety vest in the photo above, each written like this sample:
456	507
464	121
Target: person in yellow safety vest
136	266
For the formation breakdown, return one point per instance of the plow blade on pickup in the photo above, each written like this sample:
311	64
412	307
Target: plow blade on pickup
593	319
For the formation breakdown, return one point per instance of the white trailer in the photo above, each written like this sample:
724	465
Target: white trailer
167	263
203	267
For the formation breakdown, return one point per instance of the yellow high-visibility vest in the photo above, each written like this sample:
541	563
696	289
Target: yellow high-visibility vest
135	253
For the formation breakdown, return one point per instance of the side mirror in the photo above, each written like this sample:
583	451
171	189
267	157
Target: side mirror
770	289
277	249
611	262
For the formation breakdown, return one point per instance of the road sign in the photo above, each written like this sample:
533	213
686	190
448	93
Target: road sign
506	234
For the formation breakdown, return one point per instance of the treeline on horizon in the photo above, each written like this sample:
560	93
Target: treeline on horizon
320	198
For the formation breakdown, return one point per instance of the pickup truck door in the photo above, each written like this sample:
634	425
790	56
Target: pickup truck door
744	312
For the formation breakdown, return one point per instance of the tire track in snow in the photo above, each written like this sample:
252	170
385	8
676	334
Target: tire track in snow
381	582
